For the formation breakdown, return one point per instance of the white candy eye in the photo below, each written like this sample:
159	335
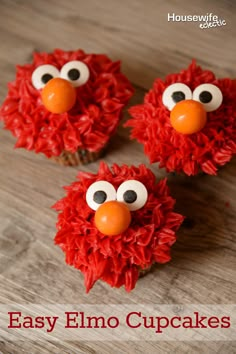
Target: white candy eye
98	193
133	193
76	72
176	93
209	95
43	74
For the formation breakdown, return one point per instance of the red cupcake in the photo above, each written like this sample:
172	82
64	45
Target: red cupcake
187	122
116	224
66	105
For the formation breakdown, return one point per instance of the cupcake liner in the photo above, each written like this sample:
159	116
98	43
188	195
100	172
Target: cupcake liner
182	174
78	158
143	272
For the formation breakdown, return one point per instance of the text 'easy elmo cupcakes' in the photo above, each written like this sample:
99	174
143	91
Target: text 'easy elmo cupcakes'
66	105
187	122
114	225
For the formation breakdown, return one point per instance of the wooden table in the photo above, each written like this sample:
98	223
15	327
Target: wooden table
204	258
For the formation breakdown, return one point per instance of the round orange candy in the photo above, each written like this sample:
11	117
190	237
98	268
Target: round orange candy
112	218
188	117
58	95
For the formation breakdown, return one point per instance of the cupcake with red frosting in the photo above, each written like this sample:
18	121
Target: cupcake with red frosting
114	225
66	105
187	122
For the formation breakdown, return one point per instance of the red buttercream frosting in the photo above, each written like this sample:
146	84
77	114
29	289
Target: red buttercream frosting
88	125
204	151
117	260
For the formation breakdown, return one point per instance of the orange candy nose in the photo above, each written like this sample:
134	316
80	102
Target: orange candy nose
58	95
188	117
112	218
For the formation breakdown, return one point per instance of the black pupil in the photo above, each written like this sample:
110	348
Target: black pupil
178	96
99	197
73	74
46	77
130	196
205	97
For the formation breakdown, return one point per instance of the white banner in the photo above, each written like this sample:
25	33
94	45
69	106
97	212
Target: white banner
140	322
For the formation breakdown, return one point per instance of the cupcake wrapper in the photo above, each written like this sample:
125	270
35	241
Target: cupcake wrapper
80	157
143	272
182	174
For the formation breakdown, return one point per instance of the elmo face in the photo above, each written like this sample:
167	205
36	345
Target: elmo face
65	101
116	223
188	122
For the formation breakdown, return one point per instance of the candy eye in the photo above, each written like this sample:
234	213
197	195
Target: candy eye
174	94
133	193
209	95
76	72
43	74
98	193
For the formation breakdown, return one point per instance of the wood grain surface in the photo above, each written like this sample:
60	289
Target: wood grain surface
32	269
